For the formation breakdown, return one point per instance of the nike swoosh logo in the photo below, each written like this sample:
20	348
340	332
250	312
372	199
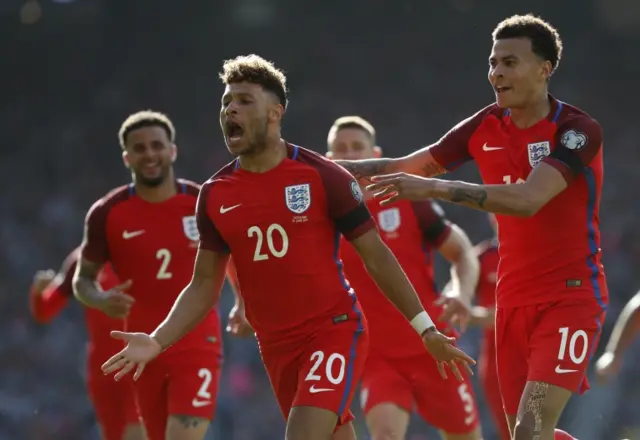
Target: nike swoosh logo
224	210
485	148
314	390
200	403
127	235
564	371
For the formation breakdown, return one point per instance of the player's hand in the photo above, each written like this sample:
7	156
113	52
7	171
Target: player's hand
401	186
446	354
238	324
41	280
115	303
607	366
455	310
140	350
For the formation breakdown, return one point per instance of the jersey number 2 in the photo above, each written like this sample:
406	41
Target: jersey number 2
165	258
258	254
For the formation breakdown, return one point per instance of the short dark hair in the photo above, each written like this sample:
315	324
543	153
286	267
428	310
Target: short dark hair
356	122
146	118
255	69
545	39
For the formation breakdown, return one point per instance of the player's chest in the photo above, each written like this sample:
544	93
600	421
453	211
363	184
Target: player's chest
274	212
397	225
154	236
508	156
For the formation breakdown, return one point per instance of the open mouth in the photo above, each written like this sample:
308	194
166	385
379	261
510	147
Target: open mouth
500	89
234	131
151	166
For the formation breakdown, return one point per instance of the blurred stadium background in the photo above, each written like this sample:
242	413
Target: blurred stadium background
73	70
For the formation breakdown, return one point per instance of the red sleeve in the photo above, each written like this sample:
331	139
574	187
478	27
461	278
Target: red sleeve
452	150
210	238
345	201
577	142
54	298
435	228
95	247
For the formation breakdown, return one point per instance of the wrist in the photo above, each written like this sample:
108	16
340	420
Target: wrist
422	322
158	340
442	189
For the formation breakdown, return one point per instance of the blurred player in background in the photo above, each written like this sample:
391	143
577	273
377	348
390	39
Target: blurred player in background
483	315
114	403
280	210
541	161
147	230
624	332
398	374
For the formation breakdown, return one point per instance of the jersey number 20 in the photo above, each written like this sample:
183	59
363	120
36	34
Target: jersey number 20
259	254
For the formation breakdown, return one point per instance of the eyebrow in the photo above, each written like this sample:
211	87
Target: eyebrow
506	57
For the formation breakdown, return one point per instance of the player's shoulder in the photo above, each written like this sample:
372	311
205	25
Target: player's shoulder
573	120
113	198
222	174
309	158
189	187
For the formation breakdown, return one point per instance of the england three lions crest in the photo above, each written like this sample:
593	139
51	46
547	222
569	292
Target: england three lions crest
190	227
298	197
537	152
389	219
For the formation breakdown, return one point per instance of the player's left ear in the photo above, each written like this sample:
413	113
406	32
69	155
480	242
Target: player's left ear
377	152
125	159
547	70
174	152
276	112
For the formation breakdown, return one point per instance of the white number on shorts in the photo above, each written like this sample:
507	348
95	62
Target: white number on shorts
318	357
278	253
578	334
165	258
508	180
467	401
206	376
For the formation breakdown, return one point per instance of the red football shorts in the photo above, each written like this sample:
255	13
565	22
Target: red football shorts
488	372
550	342
185	383
322	372
447	404
113	402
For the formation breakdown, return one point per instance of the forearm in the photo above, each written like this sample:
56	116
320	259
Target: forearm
625	328
465	271
192	305
363	169
86	290
501	199
482	317
392	281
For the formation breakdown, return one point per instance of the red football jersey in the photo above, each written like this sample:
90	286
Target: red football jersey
413	231
283	230
154	245
556	251
488	257
99	325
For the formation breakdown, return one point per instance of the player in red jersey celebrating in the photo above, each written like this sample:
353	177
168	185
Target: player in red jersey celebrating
541	161
280	210
147	231
624	332
114	404
398	376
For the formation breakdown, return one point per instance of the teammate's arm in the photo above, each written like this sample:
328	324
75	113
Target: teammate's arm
196	300
94	253
577	143
445	155
465	269
482	316
626	328
47	303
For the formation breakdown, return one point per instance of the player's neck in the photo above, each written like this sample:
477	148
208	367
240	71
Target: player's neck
157	194
531	114
265	160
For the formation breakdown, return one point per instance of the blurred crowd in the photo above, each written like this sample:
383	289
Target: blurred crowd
73	71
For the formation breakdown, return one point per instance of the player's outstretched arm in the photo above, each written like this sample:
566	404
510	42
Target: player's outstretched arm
624	332
421	163
196	300
385	270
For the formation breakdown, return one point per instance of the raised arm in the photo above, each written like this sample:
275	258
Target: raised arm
626	328
577	143
445	155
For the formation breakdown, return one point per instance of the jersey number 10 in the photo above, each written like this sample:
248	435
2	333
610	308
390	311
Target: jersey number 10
261	254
